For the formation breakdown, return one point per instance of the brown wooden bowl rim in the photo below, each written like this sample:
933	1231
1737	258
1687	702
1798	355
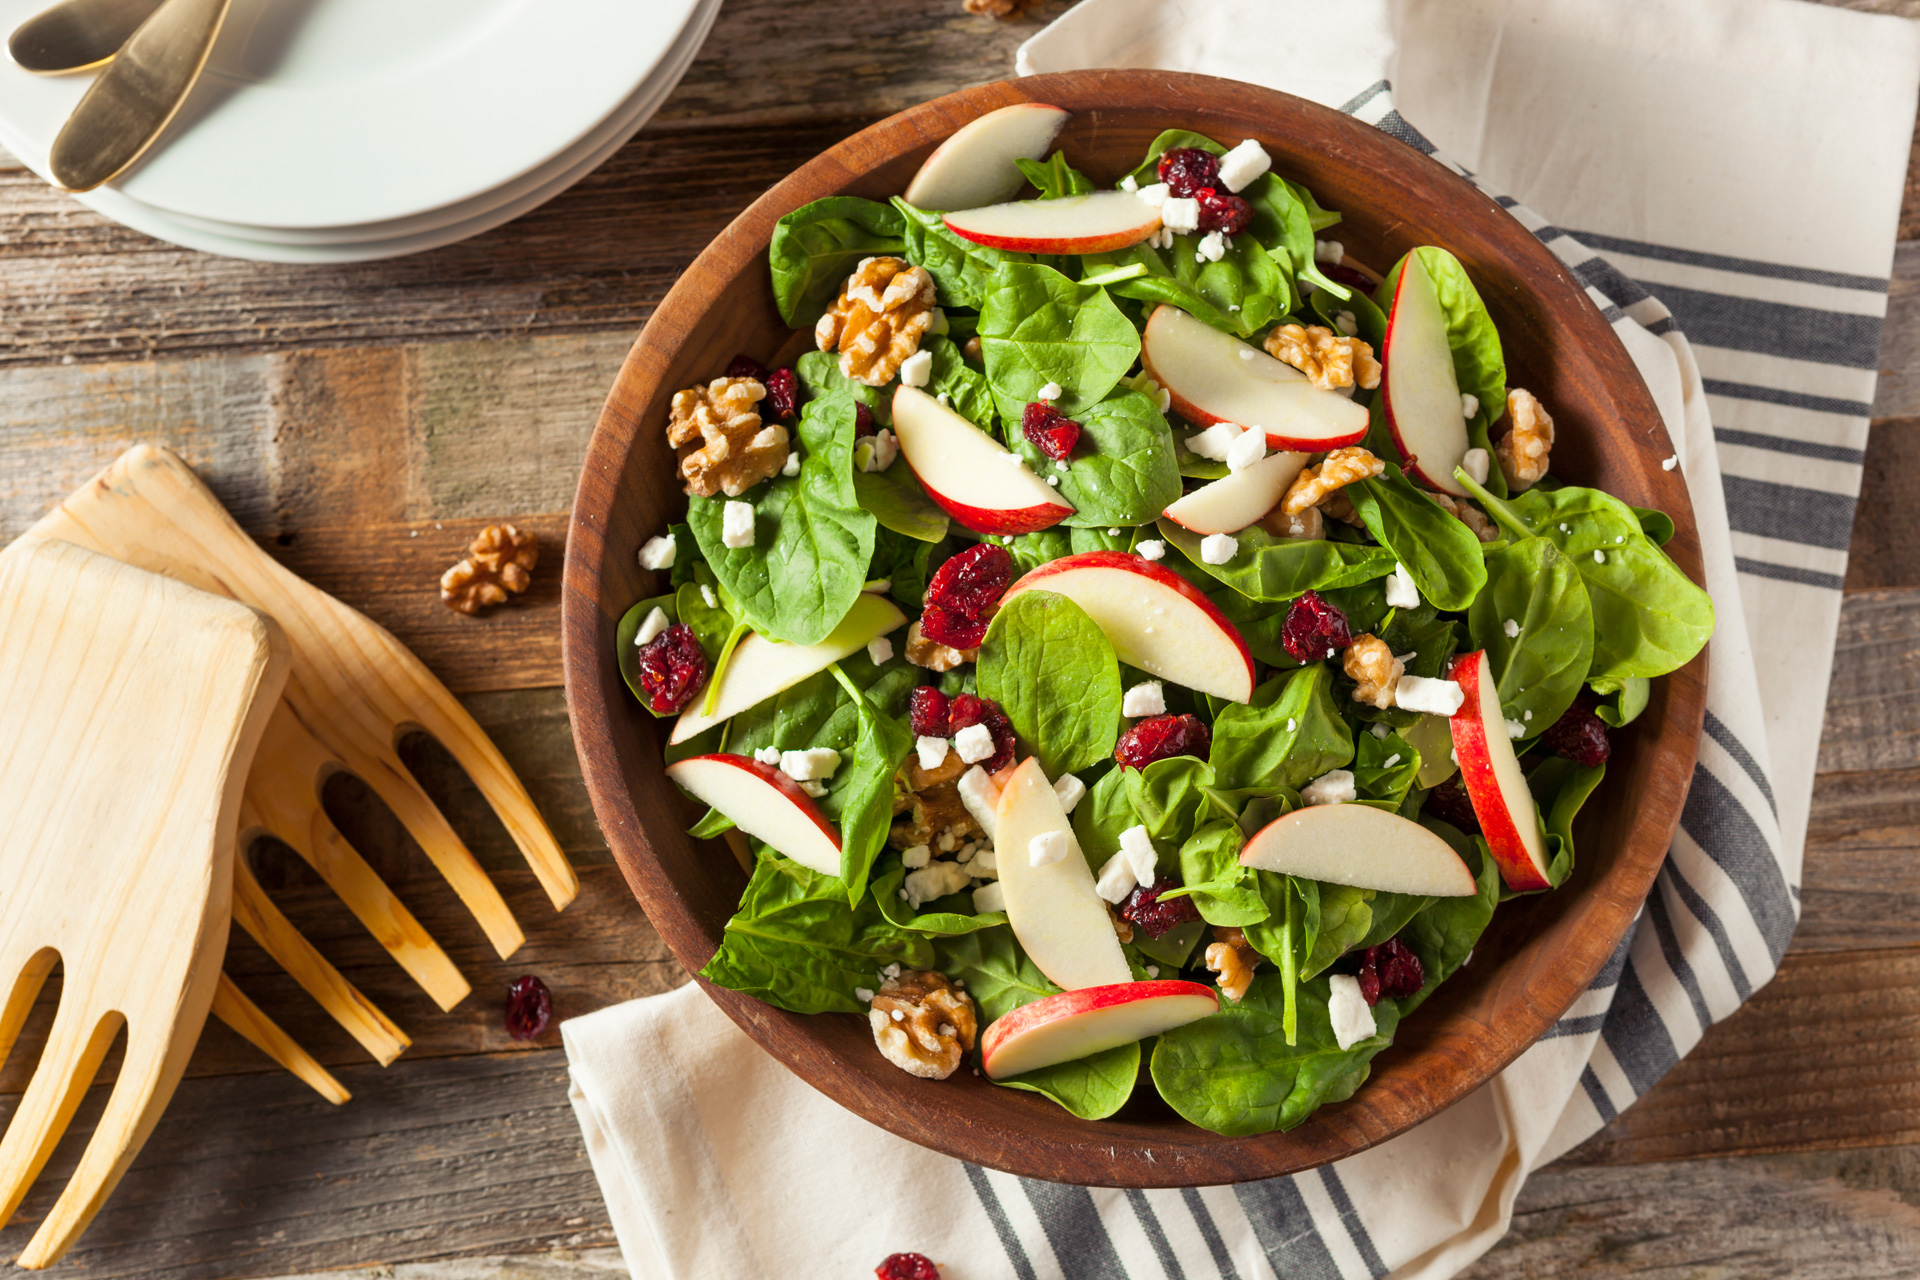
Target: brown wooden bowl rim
1101	1153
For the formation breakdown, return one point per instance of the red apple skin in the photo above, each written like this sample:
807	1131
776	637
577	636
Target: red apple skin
1146	569
1411	465
1276	442
1004	521
1078	244
1497	822
1085	1000
773	778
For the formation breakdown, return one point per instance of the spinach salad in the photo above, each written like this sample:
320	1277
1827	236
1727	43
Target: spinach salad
1136	630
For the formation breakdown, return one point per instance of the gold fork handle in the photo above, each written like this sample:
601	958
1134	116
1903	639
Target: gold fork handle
77	34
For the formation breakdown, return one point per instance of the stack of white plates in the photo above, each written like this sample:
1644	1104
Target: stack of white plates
345	130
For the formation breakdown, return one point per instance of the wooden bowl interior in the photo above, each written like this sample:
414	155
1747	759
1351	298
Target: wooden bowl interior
1540	952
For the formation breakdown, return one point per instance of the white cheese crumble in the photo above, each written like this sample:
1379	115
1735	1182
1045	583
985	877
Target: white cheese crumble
1161	239
1137	847
1379	730
1178	214
880	649
1672	461
814	789
1469	404
1154	193
658	553
1476	464
1213	443
1401	593
1128	184
1333	787
1511	627
1165	400
1392	760
1070	791
917	857
1243	164
989	898
1344	321
1052	391
1048	848
1329	251
736	525
1219	548
809	765
768	755
1151	549
1153	971
1347	1009
1247	450
1599	556
863	994
880	451
656	623
791	467
1115	880
1053	482
917	369
1212	247
1515	729
981	797
1435	697
706	595
1148	699
985	866
932	751
935	880
974	743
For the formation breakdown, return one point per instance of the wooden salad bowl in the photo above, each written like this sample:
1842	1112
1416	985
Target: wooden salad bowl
1540	953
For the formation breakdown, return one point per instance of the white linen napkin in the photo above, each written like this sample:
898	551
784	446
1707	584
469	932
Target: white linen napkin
1730	171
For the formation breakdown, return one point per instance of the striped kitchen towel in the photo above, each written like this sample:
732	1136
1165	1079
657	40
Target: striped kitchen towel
1725	178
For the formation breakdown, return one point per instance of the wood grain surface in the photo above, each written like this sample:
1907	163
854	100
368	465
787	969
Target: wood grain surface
361	422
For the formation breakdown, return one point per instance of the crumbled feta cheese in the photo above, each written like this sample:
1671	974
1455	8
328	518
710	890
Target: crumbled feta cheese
814	789
736	525
981	796
1247	450
1161	239
1154	193
1511	627
656	623
1476	464
939	326
1052	391
1344	321
1113	533
974	743
880	649
1178	214
809	765
967	851
1048	848
917	857
863	994
1349	1012
658	553
1243	164
882	451
1292	724
948	842
1070	791
1053	482
1137	846
1246	353
1165	401
1515	729
706	595
944	399
1219	548
1379	730
1526	715
1672	461
1392	760
1115	880
1435	697
985	866
791	467
1147	699
935	880
932	751
1212	247
1401	593
1469	405
917	369
768	755
1153	971
1332	787
1128	184
1599	556
1151	549
989	898
1214	442
1330	251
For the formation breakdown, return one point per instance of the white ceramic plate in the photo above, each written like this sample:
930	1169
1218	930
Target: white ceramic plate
332	113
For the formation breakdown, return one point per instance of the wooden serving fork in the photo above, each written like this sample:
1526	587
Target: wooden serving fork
353	690
130	707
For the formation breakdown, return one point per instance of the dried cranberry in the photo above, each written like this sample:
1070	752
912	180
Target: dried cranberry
1162	737
863	423
967	710
1314	629
1579	735
1449	802
962	596
1346	275
907	1266
1052	432
783	393
1187	169
1391	970
927	713
529	1008
745	366
944	626
1223	211
1145	907
672	668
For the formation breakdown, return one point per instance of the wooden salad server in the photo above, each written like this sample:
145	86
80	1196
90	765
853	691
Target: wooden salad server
130	708
352	692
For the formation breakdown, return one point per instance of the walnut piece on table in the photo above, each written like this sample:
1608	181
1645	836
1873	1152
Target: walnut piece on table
883	311
499	563
723	446
923	1024
1002	9
1232	957
1330	360
1370	663
1524	450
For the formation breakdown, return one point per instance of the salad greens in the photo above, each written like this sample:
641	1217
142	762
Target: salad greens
1572	601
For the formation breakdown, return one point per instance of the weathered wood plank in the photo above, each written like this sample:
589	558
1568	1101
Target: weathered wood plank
1885	551
1873	703
1897	395
1861	886
558	1264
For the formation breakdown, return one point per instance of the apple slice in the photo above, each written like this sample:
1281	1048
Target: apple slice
1358	845
1432	737
1417	384
766	804
1214	377
761	667
976	165
1154	618
1491	772
1057	915
972	477
1233	502
1098	222
1079	1024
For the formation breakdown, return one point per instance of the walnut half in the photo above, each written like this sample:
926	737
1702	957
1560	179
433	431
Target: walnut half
722	445
923	1024
1232	957
1329	359
883	311
1524	452
499	563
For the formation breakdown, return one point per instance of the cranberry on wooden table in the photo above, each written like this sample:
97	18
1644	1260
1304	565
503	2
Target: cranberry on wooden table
529	1008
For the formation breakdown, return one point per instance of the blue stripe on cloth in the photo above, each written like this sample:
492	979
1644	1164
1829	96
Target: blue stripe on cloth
1365	96
1597	1095
1709	919
1789	513
1780	329
1598	273
1394	126
1582	1026
1677	962
1002	1227
1789	573
1616	963
1784	444
1356	1229
1726	832
1156	1236
1744	758
1080	1241
1791	399
1286	1230
1210	1232
1637	1035
1723	262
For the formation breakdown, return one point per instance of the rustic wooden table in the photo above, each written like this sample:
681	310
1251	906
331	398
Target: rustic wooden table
364	421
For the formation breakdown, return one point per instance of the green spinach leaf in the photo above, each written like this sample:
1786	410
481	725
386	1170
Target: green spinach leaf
1038	327
960	268
1479	365
1267	568
1054	177
940	924
1290	733
1123	472
1440	553
1539	669
862	789
815	248
1224	892
1053	672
